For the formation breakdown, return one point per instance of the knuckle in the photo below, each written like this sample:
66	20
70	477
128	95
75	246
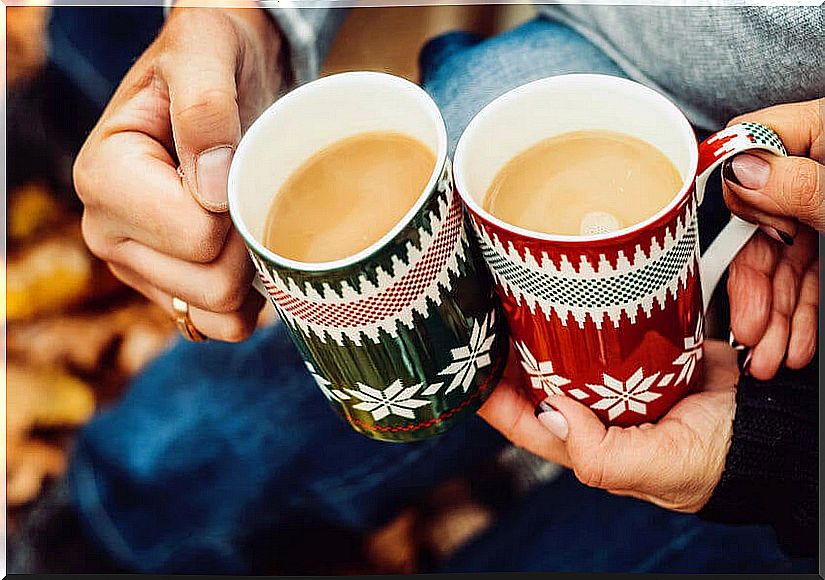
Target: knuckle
118	273
595	469
237	328
95	240
736	120
82	178
813	117
804	187
227	292
512	431
591	474
164	58
194	19
203	254
206	110
206	239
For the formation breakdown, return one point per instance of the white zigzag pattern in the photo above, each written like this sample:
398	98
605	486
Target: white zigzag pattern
440	283
738	142
565	271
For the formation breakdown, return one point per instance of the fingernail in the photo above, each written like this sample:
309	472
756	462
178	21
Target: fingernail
728	174
747	170
777	235
212	172
743	360
735	344
552	419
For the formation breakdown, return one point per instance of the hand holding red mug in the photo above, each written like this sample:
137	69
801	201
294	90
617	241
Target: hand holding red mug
184	104
774	283
675	463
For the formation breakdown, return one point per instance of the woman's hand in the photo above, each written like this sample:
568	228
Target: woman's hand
675	463
185	103
774	281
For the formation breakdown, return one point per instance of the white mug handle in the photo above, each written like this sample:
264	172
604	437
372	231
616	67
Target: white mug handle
714	151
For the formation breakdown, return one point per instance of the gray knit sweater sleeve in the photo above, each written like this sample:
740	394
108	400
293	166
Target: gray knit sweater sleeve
715	62
309	33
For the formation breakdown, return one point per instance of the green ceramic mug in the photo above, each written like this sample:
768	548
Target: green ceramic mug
407	337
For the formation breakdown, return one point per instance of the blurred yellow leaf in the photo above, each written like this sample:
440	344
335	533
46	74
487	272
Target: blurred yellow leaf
39	398
31	463
45	398
31	209
25	42
48	277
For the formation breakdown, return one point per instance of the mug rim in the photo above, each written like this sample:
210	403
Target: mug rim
460	153
274	109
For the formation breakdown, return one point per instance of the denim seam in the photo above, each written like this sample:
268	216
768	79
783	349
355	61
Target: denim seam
345	486
75	60
112	538
674	544
94	510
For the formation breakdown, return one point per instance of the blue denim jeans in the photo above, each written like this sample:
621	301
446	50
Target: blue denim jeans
218	453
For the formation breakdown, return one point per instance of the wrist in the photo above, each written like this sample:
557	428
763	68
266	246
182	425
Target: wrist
718	459
770	450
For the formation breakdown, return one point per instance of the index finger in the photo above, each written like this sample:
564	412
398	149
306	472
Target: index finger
131	185
801	126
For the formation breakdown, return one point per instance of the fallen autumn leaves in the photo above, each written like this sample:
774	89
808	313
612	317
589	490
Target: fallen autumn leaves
74	336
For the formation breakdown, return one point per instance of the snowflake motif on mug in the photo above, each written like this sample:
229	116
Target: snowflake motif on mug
541	373
692	355
323	384
394	400
618	397
472	357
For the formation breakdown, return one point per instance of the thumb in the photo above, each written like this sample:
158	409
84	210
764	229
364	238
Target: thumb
583	434
613	459
204	111
782	186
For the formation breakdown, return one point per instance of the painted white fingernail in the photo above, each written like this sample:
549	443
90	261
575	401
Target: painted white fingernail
553	420
735	344
745	363
771	233
778	235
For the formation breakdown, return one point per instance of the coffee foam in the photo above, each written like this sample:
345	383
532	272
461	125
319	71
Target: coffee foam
598	222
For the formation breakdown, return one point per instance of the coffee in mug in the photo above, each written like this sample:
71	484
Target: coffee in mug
582	183
347	196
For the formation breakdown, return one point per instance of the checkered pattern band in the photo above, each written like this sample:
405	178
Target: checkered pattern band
621	285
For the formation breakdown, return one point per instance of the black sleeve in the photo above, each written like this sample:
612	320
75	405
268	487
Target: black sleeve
771	471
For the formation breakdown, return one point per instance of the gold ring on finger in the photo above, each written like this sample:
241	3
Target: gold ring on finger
184	321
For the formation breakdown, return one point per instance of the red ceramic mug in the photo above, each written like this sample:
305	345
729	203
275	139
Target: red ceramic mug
613	320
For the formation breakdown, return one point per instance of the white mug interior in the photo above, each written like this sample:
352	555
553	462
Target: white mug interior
551	106
311	117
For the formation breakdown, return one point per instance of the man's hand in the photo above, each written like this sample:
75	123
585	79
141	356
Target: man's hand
675	463
185	103
774	283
